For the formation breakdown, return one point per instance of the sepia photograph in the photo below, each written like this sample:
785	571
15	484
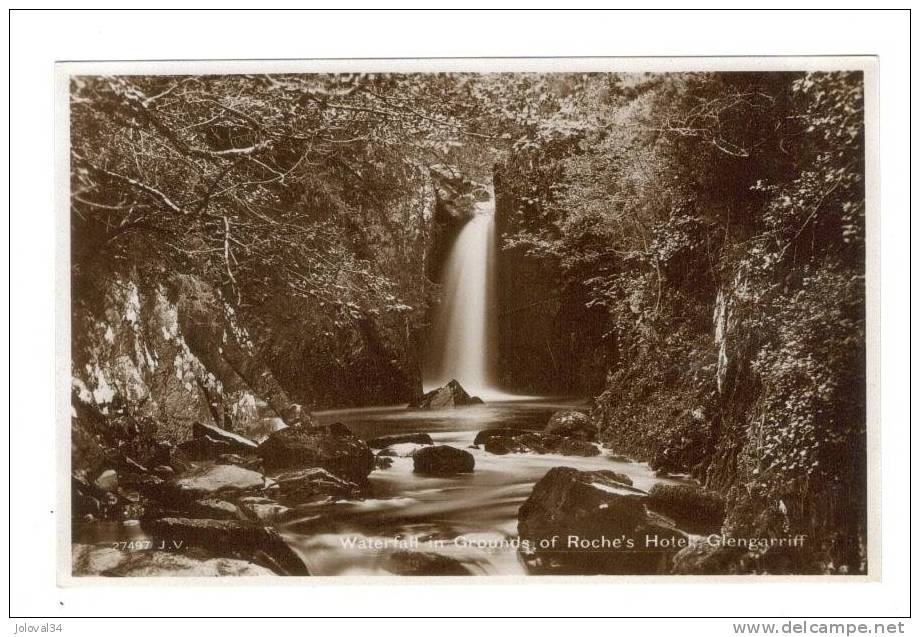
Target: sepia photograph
453	323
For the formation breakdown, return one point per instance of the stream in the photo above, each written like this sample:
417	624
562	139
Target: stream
469	517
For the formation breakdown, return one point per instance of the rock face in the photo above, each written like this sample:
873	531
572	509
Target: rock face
695	509
332	447
443	460
424	563
450	395
569	423
385	441
230	537
105	561
593	522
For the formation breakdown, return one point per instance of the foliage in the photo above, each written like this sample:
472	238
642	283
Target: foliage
718	220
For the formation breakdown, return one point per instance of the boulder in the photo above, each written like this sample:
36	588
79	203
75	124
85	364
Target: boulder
503	432
450	395
443	460
332	447
385	441
591	522
501	445
423	563
537	442
503	441
231	538
312	485
383	462
209	441
575	447
698	510
569	423
89	560
220	479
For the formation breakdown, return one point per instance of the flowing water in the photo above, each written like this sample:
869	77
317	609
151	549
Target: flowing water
463	338
469	517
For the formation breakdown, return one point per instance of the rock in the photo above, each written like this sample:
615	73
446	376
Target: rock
212	509
443	460
229	538
107	480
502	441
314	485
501	445
504	432
450	395
383	462
221	479
600	525
91	560
540	443
332	447
569	423
253	463
385	441
423	563
259	509
698	510
240	444
575	447
509	440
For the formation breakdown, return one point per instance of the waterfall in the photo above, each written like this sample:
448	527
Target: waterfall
463	341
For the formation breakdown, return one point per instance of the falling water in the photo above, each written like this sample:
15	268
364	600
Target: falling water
463	341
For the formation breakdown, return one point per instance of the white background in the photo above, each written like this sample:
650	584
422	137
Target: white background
38	39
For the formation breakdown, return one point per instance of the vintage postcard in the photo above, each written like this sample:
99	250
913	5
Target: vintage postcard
484	318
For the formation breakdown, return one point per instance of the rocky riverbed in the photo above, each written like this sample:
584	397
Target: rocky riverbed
508	488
